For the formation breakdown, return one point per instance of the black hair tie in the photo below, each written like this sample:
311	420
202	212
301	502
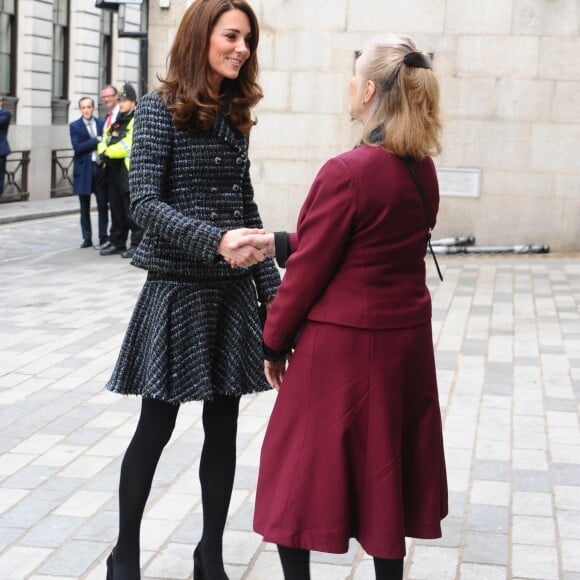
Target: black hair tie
417	60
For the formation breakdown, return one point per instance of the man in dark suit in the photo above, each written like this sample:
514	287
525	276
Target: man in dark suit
5	118
85	134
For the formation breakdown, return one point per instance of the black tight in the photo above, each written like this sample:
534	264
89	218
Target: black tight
216	472
388	569
296	565
153	431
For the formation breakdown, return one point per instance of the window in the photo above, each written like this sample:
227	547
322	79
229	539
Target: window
106	48
8	47
60	22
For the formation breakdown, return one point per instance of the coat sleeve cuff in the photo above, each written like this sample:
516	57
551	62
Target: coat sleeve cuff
282	247
271	354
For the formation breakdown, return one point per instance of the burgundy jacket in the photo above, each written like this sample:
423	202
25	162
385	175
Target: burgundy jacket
359	249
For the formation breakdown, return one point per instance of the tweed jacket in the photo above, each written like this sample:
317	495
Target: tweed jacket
187	189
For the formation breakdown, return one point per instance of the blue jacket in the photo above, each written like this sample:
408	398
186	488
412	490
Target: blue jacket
5	118
83	145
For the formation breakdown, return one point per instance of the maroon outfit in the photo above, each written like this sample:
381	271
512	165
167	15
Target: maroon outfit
354	445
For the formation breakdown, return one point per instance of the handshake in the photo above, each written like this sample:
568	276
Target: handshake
246	246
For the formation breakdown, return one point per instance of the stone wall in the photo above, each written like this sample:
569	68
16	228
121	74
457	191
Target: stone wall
509	77
33	129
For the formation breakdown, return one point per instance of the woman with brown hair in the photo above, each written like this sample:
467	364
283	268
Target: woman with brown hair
194	333
354	446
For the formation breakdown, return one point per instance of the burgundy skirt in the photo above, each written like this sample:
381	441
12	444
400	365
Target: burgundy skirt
354	446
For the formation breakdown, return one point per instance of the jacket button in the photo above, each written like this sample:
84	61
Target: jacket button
236	187
237	214
239	160
218	160
213	215
214	189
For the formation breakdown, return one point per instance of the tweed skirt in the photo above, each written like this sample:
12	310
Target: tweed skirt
189	341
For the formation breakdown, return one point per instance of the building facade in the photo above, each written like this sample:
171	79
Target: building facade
509	79
52	52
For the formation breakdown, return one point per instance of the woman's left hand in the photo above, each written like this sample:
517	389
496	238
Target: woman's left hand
275	371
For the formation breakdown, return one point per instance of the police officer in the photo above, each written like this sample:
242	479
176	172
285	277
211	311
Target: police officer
115	151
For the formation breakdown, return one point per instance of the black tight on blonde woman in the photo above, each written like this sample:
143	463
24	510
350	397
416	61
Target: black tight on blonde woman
296	565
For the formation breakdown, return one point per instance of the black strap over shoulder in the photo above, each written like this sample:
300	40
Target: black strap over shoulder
427	208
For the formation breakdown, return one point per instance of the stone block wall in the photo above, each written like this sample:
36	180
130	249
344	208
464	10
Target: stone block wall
509	78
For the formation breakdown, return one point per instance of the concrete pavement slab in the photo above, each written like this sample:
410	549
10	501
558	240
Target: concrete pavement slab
507	337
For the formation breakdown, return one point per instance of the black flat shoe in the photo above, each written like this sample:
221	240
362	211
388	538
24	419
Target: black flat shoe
86	244
199	571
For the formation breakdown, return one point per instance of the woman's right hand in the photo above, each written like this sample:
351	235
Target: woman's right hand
235	250
275	371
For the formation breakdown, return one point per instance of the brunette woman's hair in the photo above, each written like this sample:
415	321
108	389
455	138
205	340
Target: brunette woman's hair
186	89
406	107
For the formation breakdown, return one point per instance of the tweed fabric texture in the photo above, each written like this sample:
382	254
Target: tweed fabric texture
194	332
186	190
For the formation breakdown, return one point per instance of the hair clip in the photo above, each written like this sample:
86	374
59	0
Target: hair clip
417	60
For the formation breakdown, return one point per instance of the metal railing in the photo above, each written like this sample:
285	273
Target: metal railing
16	181
61	184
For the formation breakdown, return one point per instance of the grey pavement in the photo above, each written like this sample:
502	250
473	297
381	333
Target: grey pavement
507	334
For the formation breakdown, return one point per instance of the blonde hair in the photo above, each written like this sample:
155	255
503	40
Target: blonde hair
405	109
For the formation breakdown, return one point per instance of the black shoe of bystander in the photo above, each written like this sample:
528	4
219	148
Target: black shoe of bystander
110	250
129	253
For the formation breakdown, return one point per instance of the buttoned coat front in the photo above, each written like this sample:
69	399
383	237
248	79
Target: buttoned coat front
187	189
195	330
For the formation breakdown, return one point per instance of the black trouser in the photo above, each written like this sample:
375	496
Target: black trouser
216	474
98	187
2	172
122	221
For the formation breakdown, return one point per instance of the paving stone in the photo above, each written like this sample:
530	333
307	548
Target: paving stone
483	572
9	535
535	562
488	518
568	524
101	528
484	548
434	562
570	555
534	530
532	503
51	532
19	561
485	469
567	497
566	474
534	481
74	558
490	492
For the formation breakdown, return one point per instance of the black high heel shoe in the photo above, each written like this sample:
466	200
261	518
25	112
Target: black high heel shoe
199	571
110	567
124	571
